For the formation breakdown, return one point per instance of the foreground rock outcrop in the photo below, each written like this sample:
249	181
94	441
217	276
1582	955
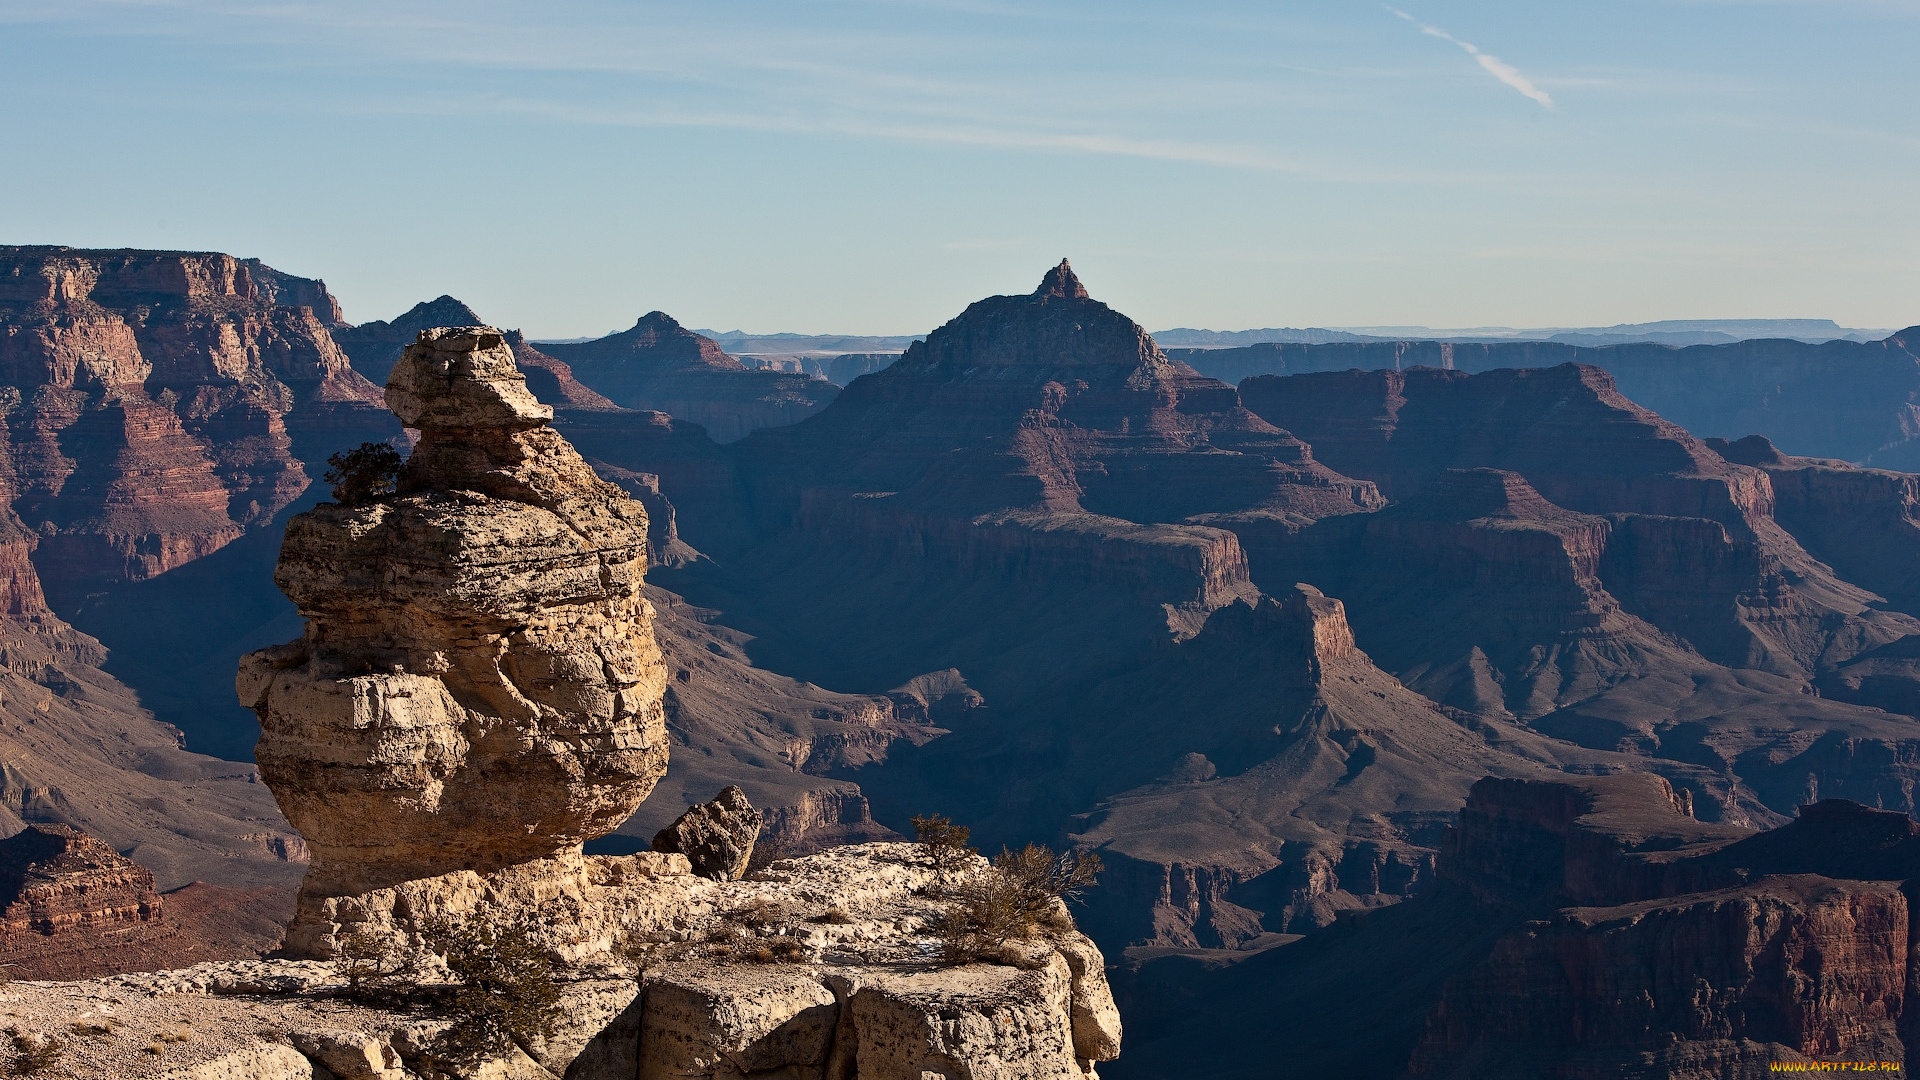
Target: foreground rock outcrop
856	995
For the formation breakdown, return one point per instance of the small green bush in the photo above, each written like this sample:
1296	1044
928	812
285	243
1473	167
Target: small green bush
504	992
363	474
373	965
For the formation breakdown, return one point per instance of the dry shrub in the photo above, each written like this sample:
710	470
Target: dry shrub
946	846
37	1055
1009	901
763	913
95	1029
773	950
833	916
1042	877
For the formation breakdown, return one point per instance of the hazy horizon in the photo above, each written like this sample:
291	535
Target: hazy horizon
866	167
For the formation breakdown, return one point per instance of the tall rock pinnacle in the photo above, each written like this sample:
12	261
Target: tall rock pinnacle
478	686
1061	283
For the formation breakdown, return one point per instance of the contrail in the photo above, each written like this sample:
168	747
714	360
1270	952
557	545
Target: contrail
1495	66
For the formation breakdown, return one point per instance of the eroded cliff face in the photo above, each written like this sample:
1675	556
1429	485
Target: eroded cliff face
1626	587
1580	927
483	626
1677	948
153	399
58	883
1693	548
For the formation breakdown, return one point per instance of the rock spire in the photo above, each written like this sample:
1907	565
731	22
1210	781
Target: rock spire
1061	283
478	686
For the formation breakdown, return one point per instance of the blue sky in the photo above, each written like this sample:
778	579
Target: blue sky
870	166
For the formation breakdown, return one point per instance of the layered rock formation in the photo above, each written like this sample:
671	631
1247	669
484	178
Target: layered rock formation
62	890
1858	401
1684	953
483	622
72	907
479	692
156	398
660	365
1673	566
1580	584
1595	928
1037	480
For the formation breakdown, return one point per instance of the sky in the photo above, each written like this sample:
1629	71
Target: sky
872	166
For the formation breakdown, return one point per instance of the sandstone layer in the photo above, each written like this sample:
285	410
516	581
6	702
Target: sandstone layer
478	687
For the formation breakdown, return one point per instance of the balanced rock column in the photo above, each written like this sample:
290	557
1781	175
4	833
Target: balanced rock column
478	691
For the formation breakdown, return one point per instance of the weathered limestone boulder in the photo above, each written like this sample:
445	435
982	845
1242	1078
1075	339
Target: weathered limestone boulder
717	837
478	687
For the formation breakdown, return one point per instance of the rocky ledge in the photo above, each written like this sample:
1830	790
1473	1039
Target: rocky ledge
822	967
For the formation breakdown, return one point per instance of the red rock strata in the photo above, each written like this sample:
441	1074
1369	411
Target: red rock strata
55	880
152	393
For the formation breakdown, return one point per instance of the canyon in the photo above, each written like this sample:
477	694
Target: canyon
478	692
1256	644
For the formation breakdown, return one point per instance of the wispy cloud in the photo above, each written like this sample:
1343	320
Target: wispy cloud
1494	66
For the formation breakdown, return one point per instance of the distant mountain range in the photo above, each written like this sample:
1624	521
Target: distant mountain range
1666	332
740	343
1677	332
